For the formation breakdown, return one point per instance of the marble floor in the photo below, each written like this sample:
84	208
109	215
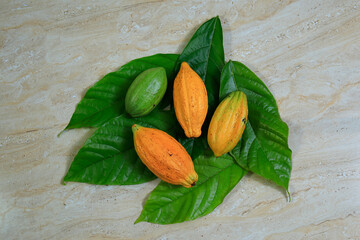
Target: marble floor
306	51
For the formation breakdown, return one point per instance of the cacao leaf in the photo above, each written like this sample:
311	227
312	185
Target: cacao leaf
263	148
205	55
196	146
108	157
105	100
173	204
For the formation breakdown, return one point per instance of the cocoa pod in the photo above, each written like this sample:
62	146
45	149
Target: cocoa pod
228	123
164	156
146	92
190	100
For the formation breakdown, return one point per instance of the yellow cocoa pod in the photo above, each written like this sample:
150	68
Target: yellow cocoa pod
164	156
228	123
190	100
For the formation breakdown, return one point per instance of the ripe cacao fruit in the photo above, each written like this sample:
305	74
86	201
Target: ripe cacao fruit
146	91
164	156
228	123
190	100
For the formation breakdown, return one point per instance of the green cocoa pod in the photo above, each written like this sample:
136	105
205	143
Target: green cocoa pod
146	91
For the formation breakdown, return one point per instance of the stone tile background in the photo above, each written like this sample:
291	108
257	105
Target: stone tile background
306	51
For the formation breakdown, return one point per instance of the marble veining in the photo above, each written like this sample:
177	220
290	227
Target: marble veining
306	51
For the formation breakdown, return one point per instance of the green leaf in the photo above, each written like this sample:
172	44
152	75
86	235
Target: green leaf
173	204
196	146
263	148
205	55
105	100
108	157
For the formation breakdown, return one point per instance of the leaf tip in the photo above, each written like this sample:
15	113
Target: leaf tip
139	219
61	132
66	179
289	195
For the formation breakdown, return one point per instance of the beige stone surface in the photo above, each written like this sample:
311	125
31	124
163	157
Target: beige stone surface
307	52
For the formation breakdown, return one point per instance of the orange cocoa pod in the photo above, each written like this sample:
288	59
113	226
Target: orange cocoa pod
164	156
228	123
190	100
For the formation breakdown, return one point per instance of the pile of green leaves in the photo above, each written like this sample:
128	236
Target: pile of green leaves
108	157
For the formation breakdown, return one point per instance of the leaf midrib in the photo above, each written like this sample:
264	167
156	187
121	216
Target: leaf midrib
211	46
265	154
87	119
104	159
190	190
232	72
118	153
